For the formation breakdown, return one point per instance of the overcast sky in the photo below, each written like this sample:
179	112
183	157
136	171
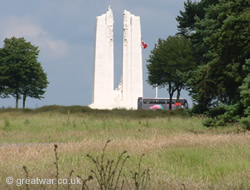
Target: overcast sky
64	30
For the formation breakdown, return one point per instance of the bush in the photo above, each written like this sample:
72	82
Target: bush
245	121
224	114
220	122
208	122
215	112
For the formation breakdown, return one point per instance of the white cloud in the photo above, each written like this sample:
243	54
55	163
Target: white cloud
28	28
58	47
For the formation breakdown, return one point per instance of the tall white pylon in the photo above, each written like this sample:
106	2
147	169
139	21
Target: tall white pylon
103	82
131	86
132	60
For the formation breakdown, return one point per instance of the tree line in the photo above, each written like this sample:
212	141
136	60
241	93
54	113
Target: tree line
209	57
21	75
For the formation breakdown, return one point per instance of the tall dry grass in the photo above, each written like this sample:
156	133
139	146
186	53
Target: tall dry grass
179	151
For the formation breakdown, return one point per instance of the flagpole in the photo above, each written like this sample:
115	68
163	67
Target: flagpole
156	91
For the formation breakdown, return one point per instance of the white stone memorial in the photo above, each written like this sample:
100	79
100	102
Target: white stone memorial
131	86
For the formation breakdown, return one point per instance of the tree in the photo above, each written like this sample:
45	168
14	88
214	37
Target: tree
20	72
36	86
245	89
170	61
193	13
220	42
225	30
1	90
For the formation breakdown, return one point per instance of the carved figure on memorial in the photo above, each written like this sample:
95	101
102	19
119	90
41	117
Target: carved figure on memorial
109	25
118	94
125	29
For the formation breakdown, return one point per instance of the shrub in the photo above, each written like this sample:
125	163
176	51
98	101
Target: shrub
208	122
215	112
245	121
220	122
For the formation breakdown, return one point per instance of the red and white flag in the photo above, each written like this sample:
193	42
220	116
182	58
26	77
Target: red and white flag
143	44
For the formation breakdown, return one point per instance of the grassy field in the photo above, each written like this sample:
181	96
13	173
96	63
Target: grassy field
180	152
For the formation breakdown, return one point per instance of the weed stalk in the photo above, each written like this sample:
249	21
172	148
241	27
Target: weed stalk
108	172
56	164
84	182
26	176
141	178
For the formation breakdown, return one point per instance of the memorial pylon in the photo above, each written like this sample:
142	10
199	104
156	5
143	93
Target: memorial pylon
132	83
103	81
131	86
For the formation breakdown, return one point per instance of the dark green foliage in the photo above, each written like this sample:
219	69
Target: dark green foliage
215	112
224	30
20	72
245	89
220	122
245	121
208	122
224	114
193	10
219	34
232	113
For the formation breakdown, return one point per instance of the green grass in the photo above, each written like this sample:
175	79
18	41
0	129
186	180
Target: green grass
180	152
59	125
